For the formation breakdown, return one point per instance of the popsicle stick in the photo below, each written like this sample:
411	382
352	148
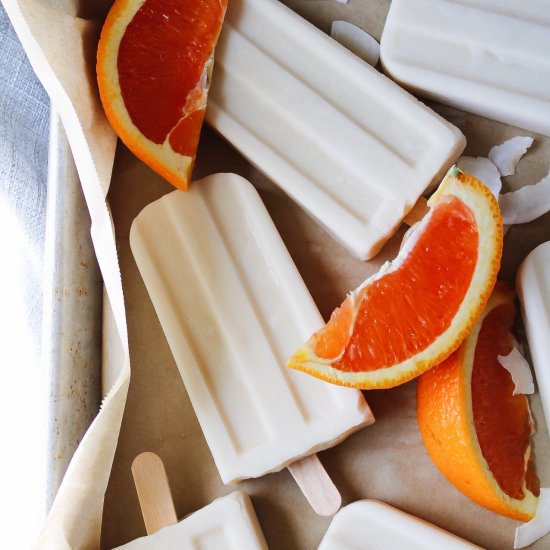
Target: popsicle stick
316	485
153	492
417	212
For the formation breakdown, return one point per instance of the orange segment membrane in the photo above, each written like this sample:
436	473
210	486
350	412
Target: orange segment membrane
502	420
155	85
184	136
404	311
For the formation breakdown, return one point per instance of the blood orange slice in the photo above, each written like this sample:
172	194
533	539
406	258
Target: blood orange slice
417	310
153	69
476	431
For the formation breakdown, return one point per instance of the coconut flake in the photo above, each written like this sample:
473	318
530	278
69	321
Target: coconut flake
539	526
358	41
519	368
527	203
506	155
483	170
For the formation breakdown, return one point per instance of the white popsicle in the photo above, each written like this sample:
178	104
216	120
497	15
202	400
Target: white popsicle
234	307
354	149
488	57
373	525
533	288
228	523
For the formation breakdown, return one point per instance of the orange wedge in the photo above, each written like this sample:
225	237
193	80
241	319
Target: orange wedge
476	431
153	68
417	310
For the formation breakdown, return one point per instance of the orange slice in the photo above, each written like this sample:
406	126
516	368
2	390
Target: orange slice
153	69
417	310
476	431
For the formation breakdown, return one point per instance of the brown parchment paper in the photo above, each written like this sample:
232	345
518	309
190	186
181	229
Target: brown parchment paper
386	461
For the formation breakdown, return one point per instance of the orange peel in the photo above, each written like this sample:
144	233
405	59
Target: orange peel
417	310
154	62
475	429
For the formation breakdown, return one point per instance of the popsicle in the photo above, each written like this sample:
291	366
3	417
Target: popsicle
233	306
354	149
228	523
373	525
488	57
533	288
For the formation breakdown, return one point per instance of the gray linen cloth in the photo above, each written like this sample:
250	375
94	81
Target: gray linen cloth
24	127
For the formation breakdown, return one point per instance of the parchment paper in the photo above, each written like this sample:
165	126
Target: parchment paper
386	461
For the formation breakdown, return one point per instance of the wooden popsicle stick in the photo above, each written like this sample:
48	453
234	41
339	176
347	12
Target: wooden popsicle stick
316	485
153	492
417	212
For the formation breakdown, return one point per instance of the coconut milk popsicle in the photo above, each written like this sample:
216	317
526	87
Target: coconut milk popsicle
489	57
233	307
533	288
228	523
345	142
373	525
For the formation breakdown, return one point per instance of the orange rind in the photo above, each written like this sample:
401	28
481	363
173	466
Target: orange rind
475	429
153	69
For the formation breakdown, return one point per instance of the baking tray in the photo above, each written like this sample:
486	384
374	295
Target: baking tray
71	343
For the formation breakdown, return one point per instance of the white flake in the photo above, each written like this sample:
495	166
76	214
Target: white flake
482	169
539	526
526	204
358	41
506	155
